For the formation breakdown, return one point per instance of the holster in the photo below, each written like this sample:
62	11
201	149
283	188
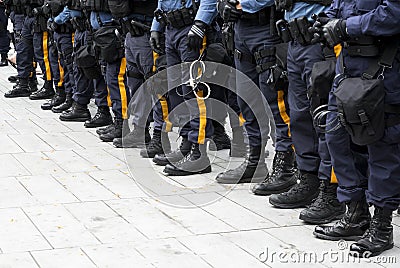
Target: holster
282	27
108	46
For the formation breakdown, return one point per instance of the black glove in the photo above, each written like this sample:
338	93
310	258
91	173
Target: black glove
228	11
157	42
51	25
335	32
317	29
196	35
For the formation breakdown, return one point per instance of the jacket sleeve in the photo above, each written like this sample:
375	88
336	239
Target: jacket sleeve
207	11
382	21
333	10
253	6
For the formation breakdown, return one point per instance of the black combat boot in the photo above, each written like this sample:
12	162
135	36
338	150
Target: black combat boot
67	104
13	79
282	177
101	118
57	99
137	138
238	146
106	129
351	226
174	156
196	162
159	144
220	139
19	90
33	83
325	208
378	238
253	169
115	132
77	113
46	92
300	195
3	60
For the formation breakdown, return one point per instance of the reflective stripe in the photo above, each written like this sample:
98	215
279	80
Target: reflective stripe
282	110
46	56
122	89
164	109
241	120
333	177
204	45
61	82
73	39
203	118
109	103
337	49
155	57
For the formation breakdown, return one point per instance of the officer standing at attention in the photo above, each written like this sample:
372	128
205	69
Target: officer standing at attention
190	26
370	33
312	155
4	40
255	39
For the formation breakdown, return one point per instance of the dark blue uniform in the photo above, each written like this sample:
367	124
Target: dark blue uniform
374	19
4	40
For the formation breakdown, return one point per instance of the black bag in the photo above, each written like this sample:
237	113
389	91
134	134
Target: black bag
108	46
86	60
361	108
120	8
321	81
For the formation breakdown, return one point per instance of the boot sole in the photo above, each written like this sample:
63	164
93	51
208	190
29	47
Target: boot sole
373	254
41	98
186	173
18	96
337	238
97	125
73	119
246	180
277	191
146	155
321	221
296	205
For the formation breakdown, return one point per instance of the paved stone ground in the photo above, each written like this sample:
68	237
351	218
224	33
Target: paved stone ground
68	200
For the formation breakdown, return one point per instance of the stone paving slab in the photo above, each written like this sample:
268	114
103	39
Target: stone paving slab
69	200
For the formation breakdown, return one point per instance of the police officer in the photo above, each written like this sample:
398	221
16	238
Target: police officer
136	21
188	24
312	155
254	56
370	32
4	40
85	87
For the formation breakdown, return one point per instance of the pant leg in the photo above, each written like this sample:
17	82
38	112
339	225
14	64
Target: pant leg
65	48
4	40
300	62
25	53
116	82
41	47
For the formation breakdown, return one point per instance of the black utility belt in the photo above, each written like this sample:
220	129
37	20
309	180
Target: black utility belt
177	18
364	46
295	30
136	27
261	17
64	28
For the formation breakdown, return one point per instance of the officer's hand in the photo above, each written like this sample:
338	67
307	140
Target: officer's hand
196	35
51	25
335	32
157	42
228	11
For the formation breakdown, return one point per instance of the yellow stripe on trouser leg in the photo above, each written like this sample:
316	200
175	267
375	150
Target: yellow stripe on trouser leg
122	89
164	109
337	49
109	103
282	110
46	56
73	39
203	118
333	177
241	120
61	82
155	57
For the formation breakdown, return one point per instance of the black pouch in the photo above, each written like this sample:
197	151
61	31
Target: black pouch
108	46
86	60
40	24
361	108
321	81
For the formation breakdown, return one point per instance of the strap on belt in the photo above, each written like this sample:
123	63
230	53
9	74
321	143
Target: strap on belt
363	51
243	57
267	52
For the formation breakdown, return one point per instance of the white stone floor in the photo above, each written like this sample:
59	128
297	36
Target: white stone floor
69	200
